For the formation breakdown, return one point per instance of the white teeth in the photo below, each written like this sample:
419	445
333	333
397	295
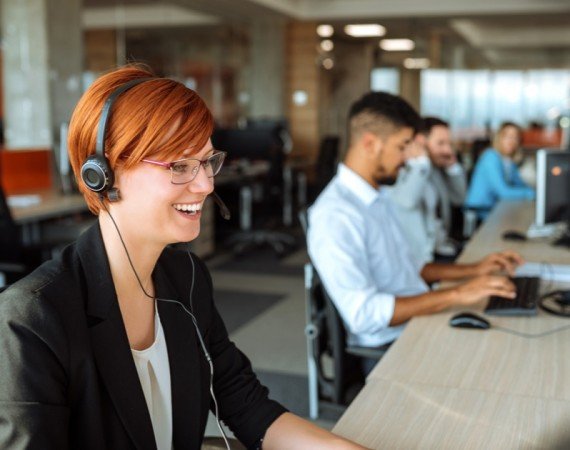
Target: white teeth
193	208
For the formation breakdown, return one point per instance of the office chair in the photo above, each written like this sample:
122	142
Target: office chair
17	258
250	145
326	337
477	148
472	219
326	165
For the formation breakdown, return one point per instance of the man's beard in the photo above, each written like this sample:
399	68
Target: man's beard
384	179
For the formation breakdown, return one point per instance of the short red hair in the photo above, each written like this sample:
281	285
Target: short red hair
141	120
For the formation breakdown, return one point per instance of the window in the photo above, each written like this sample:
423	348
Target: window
474	100
385	79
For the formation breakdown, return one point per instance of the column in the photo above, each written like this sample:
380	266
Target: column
42	67
267	68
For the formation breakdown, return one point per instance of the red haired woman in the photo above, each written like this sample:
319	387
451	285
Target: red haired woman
117	343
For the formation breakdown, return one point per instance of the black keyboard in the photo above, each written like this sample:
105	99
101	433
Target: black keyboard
524	304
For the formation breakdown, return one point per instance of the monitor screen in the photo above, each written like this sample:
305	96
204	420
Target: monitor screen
552	186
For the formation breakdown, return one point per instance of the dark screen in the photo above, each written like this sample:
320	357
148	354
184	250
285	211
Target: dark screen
557	204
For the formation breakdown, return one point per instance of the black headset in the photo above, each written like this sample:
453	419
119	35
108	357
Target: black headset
96	171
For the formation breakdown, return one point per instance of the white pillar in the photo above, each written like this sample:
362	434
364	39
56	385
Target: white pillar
267	68
42	65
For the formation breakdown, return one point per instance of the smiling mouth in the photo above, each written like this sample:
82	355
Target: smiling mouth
188	208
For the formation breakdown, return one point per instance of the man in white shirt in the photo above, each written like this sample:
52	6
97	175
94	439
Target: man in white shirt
430	183
356	243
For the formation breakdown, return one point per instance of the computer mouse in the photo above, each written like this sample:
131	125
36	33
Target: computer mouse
514	236
469	320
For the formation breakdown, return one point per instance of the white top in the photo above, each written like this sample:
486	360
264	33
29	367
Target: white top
154	373
357	246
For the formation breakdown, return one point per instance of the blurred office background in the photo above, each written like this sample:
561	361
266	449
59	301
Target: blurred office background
279	76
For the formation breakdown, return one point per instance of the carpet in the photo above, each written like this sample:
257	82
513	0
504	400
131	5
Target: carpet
261	261
238	308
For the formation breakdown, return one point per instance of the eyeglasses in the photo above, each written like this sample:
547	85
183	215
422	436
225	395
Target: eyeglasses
185	170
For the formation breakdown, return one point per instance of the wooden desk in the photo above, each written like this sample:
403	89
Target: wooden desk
400	415
52	204
513	215
443	387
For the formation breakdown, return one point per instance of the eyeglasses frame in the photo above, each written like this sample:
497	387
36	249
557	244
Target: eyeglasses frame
169	165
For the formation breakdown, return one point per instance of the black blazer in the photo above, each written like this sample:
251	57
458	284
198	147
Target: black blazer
67	376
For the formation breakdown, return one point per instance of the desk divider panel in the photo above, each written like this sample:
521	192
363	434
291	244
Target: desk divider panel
25	170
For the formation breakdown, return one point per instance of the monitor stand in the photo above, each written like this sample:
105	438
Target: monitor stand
544	231
564	240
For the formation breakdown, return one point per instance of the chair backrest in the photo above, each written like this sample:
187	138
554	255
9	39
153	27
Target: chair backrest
478	146
303	216
10	238
331	340
327	161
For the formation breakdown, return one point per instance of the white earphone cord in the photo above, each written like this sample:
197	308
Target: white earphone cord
194	321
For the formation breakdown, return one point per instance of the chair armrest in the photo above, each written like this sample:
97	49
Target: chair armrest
12	267
366	352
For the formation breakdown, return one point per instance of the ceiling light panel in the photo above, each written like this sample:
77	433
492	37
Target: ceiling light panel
397	45
365	30
325	30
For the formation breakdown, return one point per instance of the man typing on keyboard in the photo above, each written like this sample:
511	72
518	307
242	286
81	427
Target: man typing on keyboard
358	248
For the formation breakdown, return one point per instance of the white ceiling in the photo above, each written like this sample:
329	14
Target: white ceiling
502	31
363	9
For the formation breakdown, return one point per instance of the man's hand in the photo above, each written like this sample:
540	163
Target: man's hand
506	261
478	288
414	150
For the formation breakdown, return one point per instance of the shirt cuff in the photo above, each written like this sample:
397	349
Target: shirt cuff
419	161
454	169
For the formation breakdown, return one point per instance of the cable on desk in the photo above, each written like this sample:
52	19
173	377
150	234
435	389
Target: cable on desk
528	335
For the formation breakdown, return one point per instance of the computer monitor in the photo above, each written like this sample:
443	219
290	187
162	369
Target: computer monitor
552	191
247	144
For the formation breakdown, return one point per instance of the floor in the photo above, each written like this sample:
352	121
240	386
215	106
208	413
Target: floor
261	299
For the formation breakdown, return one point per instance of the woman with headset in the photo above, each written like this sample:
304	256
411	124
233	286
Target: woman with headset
117	344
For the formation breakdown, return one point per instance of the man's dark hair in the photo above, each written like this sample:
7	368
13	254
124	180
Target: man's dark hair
428	123
382	114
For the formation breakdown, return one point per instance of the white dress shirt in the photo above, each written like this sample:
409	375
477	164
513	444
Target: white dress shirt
153	369
364	261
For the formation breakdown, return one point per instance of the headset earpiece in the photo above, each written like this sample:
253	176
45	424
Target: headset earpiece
96	172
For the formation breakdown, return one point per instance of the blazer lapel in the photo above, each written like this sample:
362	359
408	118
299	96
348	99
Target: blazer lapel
110	343
185	359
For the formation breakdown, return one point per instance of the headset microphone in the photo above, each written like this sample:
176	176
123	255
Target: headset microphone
224	211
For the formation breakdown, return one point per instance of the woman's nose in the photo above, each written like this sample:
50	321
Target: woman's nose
202	183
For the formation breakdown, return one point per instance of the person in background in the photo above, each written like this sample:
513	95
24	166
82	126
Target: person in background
357	246
496	176
117	343
430	183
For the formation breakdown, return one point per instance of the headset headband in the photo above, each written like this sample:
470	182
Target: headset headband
106	113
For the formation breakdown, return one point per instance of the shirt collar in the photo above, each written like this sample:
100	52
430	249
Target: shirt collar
357	185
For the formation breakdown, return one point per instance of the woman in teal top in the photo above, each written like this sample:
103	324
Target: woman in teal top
496	176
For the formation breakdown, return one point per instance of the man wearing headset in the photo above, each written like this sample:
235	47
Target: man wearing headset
357	245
